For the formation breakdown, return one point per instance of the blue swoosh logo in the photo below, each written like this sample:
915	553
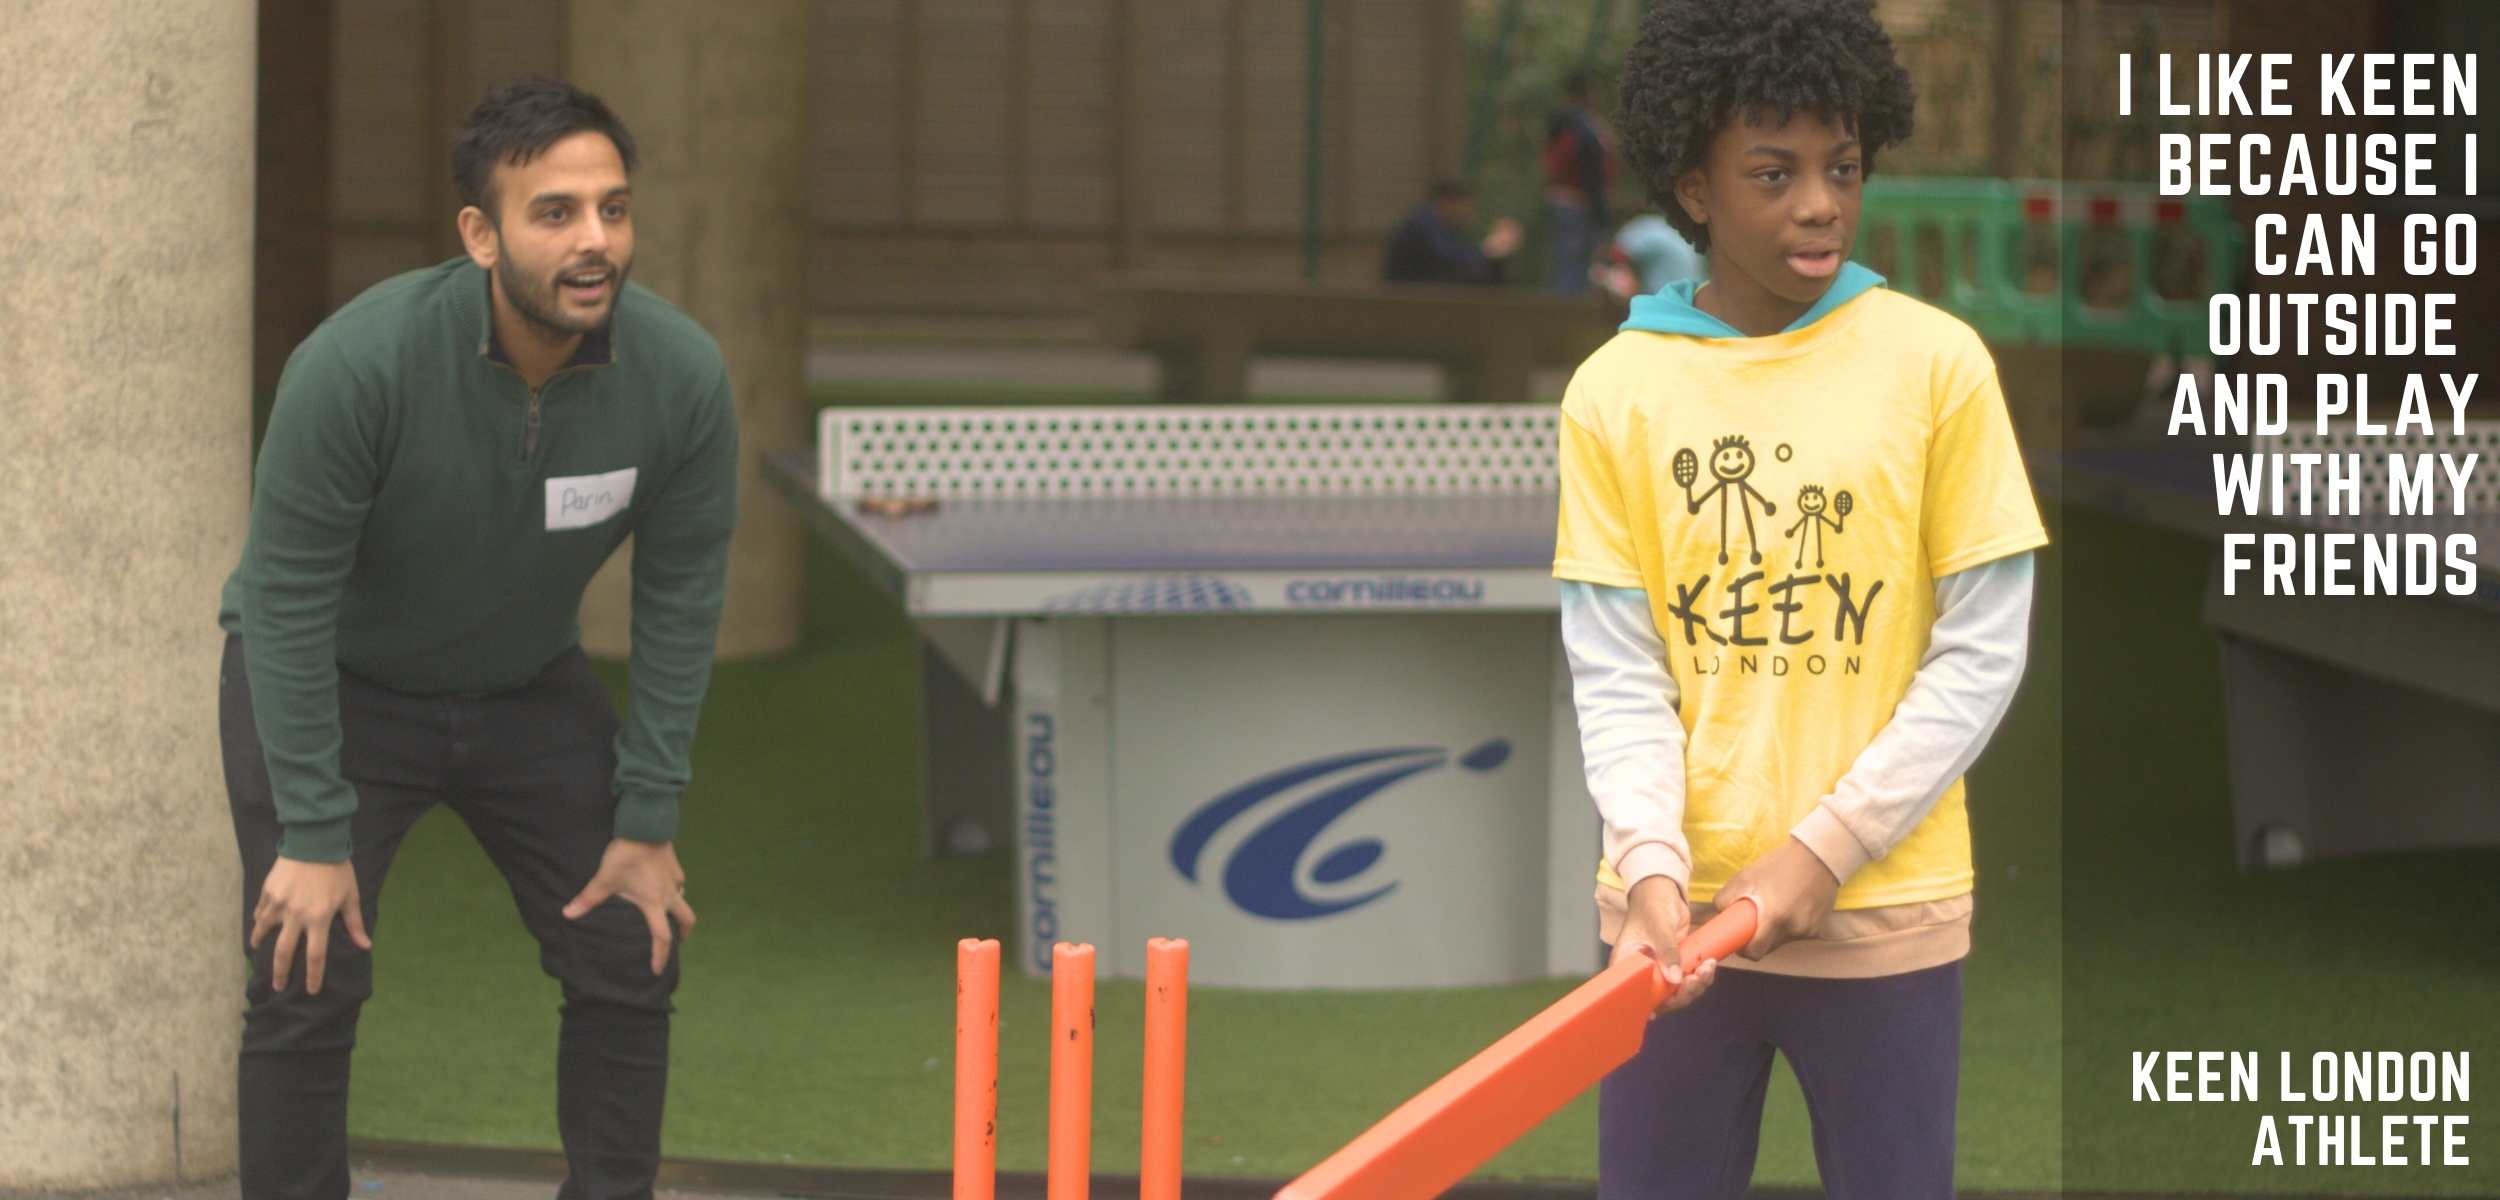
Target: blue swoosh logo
1263	876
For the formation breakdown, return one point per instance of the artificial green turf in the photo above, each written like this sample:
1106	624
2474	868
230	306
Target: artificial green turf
2170	947
814	1022
815	1018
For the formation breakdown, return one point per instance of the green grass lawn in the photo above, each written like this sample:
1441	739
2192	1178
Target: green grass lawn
814	1022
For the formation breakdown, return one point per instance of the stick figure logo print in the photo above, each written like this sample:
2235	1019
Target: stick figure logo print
1731	472
1732	467
1812	505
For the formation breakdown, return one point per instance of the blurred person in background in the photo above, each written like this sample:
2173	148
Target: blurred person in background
1578	164
1647	255
1434	243
1655	253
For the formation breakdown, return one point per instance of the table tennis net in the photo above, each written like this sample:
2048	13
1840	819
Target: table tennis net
2478	439
1137	451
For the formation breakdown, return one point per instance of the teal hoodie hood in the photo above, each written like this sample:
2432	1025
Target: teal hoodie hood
1670	309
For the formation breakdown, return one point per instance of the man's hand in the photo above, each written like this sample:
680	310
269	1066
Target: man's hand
1504	238
647	876
1790	888
299	900
1656	922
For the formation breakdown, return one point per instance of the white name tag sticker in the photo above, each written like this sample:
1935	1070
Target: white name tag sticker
581	501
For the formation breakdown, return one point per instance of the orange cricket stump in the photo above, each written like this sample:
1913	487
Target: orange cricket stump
1449	1129
1167	1058
976	1068
1071	1070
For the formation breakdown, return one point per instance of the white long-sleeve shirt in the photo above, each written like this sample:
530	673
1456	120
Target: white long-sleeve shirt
1632	747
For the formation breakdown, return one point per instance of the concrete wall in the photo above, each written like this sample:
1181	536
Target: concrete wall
721	229
998	155
972	154
403	73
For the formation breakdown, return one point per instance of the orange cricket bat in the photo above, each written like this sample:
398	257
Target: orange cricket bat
1449	1129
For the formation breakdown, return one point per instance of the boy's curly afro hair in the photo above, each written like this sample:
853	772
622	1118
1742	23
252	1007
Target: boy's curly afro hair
1702	64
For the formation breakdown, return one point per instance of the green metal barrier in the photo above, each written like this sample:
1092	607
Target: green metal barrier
2106	265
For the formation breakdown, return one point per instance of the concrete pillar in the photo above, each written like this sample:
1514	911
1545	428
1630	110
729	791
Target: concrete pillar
125	392
717	96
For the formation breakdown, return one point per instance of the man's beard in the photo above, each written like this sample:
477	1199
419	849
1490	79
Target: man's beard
540	303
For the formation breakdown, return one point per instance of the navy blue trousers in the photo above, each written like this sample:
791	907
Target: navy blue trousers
1879	1060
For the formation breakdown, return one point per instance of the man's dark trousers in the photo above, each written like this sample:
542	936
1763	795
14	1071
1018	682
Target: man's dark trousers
529	771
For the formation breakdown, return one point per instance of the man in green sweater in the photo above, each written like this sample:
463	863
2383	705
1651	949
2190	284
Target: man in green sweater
450	458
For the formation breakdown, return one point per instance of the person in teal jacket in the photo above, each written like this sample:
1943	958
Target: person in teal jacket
450	457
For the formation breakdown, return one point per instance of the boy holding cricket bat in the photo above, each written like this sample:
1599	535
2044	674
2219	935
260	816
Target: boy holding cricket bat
1794	541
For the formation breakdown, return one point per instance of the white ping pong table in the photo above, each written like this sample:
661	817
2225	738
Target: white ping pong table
2357	724
1285	681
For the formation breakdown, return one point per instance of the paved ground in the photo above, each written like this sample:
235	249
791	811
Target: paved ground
403	1184
411	1171
383	1185
413	1185
374	1183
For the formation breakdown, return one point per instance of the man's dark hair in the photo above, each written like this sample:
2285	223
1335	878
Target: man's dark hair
1451	189
1701	65
516	122
1575	86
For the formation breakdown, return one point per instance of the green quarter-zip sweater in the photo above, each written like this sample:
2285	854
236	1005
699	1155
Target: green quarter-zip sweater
422	520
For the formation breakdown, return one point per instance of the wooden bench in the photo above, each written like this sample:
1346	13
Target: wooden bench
1488	340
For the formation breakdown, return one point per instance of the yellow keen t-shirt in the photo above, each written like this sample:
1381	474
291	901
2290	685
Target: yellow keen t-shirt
1786	502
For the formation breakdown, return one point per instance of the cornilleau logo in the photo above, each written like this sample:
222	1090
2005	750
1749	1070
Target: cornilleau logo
1387	591
1296	805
